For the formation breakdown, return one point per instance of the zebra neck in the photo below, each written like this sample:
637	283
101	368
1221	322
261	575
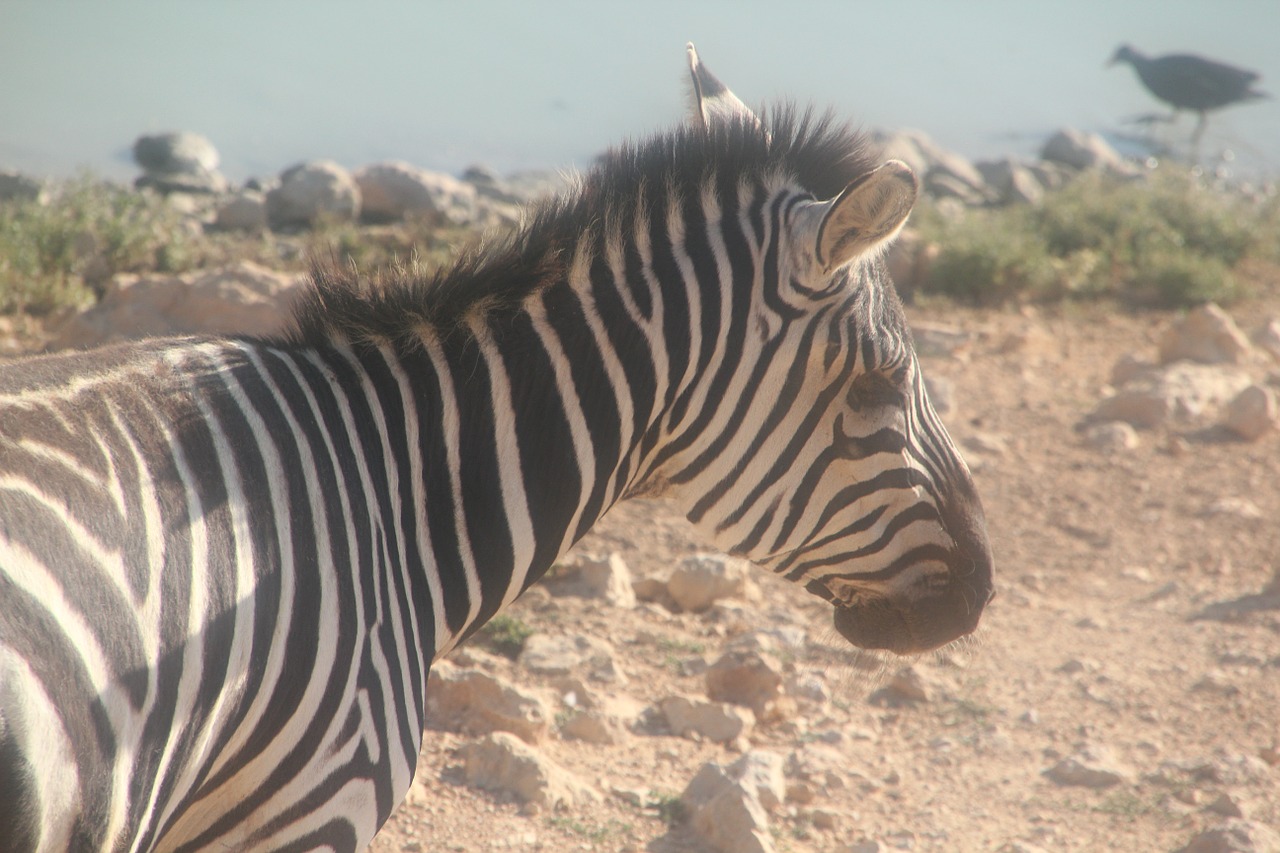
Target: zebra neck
509	435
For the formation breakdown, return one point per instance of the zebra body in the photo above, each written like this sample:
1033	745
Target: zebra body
226	565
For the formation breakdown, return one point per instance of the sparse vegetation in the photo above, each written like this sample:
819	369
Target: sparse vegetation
670	808
60	252
1168	241
56	254
505	635
594	833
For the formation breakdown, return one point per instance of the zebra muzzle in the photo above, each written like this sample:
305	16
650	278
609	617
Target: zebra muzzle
930	612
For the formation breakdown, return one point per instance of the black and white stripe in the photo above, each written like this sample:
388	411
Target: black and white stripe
227	565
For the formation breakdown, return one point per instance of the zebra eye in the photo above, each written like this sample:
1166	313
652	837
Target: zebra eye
876	389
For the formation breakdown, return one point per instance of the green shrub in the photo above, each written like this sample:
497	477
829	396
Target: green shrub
56	254
1167	241
504	635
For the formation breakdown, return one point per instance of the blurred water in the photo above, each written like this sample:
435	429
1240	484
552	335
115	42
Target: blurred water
552	83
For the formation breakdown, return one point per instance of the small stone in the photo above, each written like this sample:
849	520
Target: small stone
801	793
549	654
1226	805
637	797
1093	767
745	677
1012	181
1137	573
1216	682
863	847
1074	666
604	578
1080	150
1235	836
701	580
1252	413
501	761
986	442
1232	506
1131	366
596	727
907	683
1207	335
475	702
718	722
1111	436
1268	337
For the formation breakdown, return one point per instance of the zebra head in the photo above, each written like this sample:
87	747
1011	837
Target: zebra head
833	470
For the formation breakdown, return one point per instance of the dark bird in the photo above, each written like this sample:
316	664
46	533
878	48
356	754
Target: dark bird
1189	82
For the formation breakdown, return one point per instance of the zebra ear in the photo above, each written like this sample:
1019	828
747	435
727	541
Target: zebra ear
712	100
867	214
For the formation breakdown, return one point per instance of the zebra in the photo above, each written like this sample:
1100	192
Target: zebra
227	564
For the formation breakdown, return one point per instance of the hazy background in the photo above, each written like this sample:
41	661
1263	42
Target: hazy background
547	84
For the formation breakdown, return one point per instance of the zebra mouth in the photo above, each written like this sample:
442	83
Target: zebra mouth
917	620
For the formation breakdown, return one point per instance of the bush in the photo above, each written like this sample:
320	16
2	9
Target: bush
56	254
1167	241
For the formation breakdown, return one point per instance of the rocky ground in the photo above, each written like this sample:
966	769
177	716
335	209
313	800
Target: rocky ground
1123	692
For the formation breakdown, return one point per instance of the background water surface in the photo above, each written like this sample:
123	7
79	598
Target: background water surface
552	83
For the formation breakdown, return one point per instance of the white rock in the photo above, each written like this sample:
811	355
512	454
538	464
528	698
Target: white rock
718	722
245	211
1090	767
182	151
474	702
240	299
502	762
913	147
908	683
1252	413
1207	335
549	654
599	727
391	191
605	578
1234	506
178	162
1226	805
725	803
761	772
1111	436
1012	181
1180	391
1268	337
1131	366
310	191
701	580
1081	150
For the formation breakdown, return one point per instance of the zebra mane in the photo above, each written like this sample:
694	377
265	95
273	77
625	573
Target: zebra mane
821	154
